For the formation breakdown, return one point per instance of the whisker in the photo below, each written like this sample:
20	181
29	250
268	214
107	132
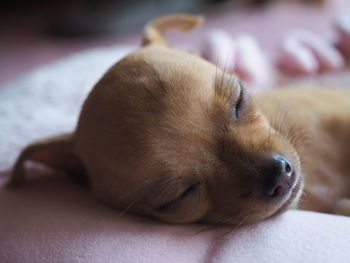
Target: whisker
123	212
220	221
144	188
234	230
269	136
223	76
142	185
216	70
208	227
274	117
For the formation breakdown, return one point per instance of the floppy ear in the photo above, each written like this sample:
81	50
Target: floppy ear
154	31
55	152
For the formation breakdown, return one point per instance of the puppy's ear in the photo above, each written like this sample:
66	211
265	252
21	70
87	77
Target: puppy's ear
154	31
55	152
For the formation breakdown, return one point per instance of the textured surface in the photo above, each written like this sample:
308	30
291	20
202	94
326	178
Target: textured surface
48	100
51	220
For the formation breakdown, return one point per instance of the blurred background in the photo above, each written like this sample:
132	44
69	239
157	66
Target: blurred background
36	32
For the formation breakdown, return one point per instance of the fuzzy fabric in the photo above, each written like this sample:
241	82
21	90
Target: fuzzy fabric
301	52
47	101
49	219
241	55
306	53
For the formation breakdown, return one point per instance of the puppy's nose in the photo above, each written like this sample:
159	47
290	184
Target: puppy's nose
278	178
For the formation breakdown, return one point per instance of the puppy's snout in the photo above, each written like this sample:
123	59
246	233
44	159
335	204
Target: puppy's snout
278	177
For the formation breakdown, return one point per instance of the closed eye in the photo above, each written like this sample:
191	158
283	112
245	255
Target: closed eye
239	104
190	189
187	192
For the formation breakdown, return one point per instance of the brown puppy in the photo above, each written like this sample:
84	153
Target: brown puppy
167	134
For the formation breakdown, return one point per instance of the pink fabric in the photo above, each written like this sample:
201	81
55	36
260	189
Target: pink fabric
304	52
52	220
342	25
241	55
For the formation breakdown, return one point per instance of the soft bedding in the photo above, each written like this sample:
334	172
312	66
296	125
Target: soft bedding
50	219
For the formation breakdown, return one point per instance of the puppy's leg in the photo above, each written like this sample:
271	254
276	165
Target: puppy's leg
342	207
55	152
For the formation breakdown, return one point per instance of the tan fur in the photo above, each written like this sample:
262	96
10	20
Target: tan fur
161	121
155	30
323	116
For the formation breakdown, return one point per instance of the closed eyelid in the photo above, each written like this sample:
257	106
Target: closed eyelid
177	200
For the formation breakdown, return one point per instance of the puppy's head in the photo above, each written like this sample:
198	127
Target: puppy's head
166	134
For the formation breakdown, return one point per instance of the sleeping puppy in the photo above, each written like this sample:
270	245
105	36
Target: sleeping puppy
167	134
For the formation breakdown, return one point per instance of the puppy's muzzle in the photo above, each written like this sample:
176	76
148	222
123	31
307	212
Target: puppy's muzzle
278	177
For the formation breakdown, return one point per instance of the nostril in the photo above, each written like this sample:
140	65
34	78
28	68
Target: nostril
284	167
288	168
279	190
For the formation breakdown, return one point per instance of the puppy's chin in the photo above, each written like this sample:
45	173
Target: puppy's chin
292	200
289	202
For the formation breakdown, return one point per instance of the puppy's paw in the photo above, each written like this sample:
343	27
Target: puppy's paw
342	207
55	152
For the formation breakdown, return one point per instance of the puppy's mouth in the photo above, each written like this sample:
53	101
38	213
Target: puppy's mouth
293	194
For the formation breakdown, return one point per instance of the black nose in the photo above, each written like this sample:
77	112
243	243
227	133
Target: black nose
278	177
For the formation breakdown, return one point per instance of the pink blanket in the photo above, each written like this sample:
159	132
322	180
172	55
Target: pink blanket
50	219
